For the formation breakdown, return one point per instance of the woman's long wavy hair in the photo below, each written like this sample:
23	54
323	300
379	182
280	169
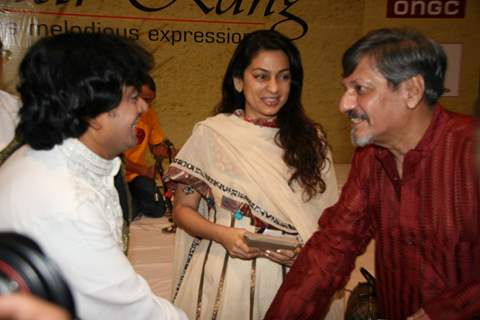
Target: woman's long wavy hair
303	140
69	79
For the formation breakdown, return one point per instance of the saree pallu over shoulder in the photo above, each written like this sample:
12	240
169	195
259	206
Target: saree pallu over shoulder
235	165
239	160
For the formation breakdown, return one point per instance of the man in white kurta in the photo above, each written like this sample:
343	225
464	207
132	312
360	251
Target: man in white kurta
66	201
58	187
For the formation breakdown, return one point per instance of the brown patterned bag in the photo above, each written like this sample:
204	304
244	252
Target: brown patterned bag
362	302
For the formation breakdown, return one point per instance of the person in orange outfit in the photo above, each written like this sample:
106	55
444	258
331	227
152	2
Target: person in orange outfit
140	175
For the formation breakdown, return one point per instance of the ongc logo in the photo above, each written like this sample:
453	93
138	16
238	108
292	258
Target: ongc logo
426	8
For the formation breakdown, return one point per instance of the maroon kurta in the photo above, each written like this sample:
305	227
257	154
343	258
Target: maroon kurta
426	228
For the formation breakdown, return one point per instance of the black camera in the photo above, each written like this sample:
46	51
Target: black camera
24	268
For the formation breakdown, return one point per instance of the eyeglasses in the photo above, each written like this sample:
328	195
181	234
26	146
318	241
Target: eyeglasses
6	54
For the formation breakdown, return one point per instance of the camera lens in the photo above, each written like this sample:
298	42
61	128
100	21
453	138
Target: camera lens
24	268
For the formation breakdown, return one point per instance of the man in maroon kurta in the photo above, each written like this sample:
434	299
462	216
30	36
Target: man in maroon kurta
412	188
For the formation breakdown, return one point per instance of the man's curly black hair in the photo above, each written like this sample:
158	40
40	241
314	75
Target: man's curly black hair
68	79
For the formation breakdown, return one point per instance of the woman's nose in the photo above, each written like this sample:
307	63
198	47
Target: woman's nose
272	85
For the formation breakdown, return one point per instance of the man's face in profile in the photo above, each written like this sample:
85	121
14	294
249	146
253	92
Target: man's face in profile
117	128
377	112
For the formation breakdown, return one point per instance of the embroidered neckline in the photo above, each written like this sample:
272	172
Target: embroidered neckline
270	123
90	169
79	154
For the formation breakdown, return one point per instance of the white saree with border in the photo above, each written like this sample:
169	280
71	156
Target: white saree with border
234	163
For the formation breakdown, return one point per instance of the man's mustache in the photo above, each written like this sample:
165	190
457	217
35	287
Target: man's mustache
353	114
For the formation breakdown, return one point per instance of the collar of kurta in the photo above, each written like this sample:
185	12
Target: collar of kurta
426	143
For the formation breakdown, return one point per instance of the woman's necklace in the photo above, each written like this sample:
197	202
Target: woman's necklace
271	123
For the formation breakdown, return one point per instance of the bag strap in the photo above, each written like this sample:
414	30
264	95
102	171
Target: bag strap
368	276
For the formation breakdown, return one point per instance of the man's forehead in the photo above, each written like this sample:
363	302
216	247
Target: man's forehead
366	69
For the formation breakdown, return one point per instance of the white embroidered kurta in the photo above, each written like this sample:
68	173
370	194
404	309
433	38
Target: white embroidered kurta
65	200
239	162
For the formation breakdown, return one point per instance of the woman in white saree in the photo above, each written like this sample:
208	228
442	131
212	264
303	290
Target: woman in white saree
259	165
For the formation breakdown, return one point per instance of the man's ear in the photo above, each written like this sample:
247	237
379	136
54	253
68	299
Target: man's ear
95	124
238	83
414	90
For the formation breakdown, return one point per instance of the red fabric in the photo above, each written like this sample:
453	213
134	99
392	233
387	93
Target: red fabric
426	228
140	135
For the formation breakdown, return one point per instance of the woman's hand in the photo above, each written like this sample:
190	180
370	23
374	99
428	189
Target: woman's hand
233	241
283	256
